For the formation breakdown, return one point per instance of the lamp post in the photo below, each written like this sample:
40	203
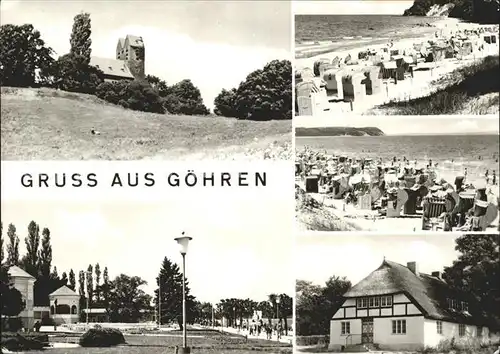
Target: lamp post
277	307
183	242
234	316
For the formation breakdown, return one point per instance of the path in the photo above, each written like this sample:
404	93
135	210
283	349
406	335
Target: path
284	339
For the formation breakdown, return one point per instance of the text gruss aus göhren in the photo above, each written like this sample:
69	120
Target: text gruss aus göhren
174	179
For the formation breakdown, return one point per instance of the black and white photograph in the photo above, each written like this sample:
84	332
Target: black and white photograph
108	276
397	174
403	293
135	80
396	57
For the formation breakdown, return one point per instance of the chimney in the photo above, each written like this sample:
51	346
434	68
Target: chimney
436	275
413	267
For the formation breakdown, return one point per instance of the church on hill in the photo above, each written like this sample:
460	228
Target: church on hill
129	62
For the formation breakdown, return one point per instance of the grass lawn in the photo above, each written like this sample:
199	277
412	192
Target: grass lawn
206	341
469	90
47	124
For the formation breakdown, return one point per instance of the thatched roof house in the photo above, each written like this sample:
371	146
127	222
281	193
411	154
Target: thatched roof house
396	307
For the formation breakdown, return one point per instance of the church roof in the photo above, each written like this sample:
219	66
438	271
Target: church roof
135	41
429	293
121	42
15	271
63	291
112	67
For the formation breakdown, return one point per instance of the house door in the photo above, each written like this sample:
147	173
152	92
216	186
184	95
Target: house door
367	330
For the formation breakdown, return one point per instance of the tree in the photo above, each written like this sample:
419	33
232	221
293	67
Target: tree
72	282
81	291
477	269
105	288
316	305
54	274
97	270
12	300
264	95
64	278
13	246
285	309
127	299
80	37
1	243
90	284
30	260
169	281
266	309
72	73
22	53
185	98
224	103
45	254
159	85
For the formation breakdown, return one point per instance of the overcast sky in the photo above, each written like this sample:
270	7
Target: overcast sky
391	125
241	246
356	255
215	44
351	7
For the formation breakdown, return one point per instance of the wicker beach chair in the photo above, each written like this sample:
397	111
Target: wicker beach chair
433	207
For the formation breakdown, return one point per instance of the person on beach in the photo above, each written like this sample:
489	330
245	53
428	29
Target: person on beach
494	178
487	177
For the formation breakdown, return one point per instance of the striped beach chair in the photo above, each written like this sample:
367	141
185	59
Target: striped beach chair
433	207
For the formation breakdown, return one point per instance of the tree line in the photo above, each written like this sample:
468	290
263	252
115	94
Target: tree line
26	61
123	297
475	271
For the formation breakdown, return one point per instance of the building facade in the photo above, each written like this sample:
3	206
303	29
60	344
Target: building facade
129	63
64	302
24	283
398	308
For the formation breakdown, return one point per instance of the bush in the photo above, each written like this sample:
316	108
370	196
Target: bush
312	340
137	95
19	342
102	337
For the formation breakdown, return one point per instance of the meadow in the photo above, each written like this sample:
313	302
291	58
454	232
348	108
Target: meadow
48	124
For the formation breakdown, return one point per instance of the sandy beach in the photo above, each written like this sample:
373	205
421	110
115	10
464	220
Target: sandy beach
421	84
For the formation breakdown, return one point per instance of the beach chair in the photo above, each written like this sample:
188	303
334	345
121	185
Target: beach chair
365	202
465	203
312	184
484	214
433	208
394	207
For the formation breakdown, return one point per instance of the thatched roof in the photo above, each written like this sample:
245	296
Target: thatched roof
112	67
429	293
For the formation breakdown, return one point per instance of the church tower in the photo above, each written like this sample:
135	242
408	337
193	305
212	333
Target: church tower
131	49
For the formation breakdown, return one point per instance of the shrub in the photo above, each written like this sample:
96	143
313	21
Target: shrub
137	95
102	337
18	342
312	340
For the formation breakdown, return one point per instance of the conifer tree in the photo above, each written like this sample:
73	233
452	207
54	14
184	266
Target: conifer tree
13	246
80	37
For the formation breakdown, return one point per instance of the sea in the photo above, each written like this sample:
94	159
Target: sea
348	30
453	153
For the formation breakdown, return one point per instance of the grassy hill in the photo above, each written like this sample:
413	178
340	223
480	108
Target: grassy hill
55	125
338	131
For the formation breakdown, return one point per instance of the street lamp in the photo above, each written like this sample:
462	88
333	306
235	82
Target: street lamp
183	242
234	316
277	307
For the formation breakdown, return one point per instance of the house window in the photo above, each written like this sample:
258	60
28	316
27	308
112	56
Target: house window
377	302
439	325
399	327
362	303
386	301
465	306
346	328
371	302
461	330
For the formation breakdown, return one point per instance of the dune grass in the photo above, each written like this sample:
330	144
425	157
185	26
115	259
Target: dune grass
49	124
469	90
